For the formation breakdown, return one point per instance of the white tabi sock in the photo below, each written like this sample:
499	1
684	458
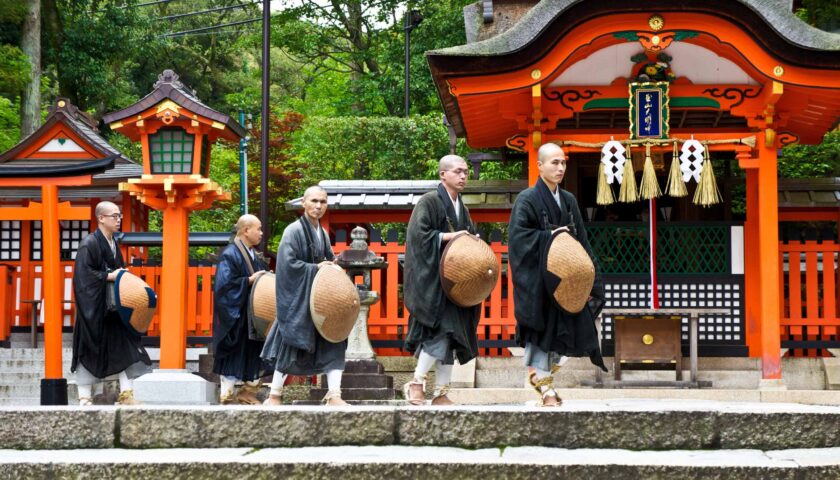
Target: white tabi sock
125	382
334	381
85	391
227	384
443	375
425	362
277	383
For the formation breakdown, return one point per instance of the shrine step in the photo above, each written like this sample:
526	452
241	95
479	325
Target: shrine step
356	393
632	424
397	462
362	380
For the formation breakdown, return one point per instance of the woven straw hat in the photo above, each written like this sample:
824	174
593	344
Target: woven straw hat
468	270
568	272
135	302
262	304
333	303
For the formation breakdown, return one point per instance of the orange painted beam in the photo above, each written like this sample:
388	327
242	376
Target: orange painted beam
20	182
173	285
768	247
52	283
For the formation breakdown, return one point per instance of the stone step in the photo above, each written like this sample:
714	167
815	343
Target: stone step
25	353
362	380
520	396
20	401
16	378
398	462
635	424
21	390
363	367
356	393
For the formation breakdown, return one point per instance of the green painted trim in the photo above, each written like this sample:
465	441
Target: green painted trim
678	102
605	103
694	102
628	35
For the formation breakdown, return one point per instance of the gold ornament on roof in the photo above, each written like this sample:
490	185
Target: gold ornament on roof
656	22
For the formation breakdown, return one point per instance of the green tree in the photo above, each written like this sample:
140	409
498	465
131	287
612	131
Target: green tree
821	160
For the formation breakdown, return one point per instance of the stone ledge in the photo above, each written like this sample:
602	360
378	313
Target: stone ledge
41	428
639	424
413	462
215	427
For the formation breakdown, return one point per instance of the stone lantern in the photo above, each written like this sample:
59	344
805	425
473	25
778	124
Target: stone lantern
364	377
176	132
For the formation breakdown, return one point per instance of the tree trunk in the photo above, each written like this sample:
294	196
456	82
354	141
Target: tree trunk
30	115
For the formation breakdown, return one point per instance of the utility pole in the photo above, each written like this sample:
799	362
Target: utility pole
412	20
243	167
266	86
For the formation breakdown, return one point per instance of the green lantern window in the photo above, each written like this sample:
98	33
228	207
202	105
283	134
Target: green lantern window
171	150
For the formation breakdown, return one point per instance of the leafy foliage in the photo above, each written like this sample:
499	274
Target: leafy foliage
798	161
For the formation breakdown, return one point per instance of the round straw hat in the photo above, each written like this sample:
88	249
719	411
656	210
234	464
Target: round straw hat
262	304
135	301
333	303
469	270
568	272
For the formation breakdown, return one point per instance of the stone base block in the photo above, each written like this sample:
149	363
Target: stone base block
174	387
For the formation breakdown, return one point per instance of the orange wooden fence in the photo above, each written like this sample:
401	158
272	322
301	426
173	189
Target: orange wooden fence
810	294
809	283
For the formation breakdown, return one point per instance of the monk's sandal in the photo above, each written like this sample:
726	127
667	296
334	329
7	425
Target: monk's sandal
415	392
548	398
333	399
441	398
127	398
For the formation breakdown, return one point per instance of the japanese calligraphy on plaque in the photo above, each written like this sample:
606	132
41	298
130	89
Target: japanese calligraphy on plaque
649	110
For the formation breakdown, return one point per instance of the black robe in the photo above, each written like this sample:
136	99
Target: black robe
101	341
235	355
539	320
293	345
432	316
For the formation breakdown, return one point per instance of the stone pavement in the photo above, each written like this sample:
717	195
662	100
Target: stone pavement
408	462
610	438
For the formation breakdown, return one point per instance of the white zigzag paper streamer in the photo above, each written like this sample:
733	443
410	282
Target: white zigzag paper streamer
612	156
691	160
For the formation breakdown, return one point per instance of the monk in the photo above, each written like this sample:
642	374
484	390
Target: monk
438	330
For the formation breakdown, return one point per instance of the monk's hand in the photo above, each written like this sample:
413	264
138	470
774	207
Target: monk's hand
113	274
253	278
450	235
324	263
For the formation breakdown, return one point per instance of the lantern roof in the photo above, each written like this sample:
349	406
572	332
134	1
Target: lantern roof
170	87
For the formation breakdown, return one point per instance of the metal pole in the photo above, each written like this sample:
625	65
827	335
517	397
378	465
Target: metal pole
266	53
407	30
243	169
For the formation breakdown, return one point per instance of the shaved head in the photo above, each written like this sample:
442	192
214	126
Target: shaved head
313	189
447	162
548	150
105	208
246	221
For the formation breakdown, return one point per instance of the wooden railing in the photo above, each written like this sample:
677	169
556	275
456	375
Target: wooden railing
809	310
809	287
